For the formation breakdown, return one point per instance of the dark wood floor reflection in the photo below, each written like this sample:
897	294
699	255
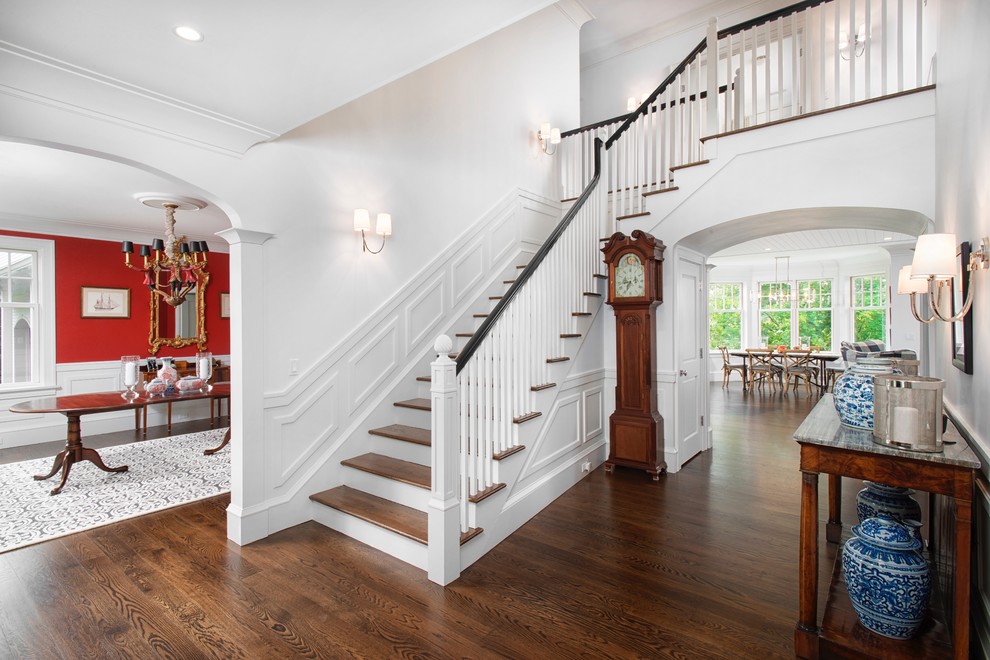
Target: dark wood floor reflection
702	564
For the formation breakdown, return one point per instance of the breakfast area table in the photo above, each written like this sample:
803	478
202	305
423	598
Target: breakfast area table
822	358
74	406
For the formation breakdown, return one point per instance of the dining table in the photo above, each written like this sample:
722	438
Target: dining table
74	406
821	358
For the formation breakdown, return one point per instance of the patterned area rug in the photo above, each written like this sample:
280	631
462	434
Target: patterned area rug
163	473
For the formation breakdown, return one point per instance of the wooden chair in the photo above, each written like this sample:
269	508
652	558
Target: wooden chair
728	367
832	372
798	366
762	367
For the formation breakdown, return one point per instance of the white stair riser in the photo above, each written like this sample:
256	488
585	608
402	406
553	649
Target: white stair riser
405	451
400	547
388	489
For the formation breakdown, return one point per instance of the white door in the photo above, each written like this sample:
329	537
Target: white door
689	338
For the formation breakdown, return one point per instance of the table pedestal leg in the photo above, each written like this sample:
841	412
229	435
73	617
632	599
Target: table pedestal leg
806	632
226	440
74	452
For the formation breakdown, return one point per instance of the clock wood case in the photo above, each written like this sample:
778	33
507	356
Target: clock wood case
635	289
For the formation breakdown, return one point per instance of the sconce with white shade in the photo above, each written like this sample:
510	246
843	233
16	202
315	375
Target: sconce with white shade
549	138
855	46
632	103
934	266
383	227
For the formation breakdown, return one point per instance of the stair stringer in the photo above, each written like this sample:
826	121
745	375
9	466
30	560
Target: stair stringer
805	163
556	447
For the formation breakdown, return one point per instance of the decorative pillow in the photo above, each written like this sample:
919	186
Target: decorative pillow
851	349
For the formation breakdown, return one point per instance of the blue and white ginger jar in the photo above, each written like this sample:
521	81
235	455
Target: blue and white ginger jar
887	578
853	391
880	499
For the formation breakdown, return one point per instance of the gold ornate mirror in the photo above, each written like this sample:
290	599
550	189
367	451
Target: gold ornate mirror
182	325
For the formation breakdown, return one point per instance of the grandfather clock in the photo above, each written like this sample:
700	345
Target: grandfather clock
635	288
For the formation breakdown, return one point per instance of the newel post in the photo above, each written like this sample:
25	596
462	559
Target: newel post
712	47
444	565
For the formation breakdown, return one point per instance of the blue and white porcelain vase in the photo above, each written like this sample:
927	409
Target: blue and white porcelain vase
887	577
880	499
853	391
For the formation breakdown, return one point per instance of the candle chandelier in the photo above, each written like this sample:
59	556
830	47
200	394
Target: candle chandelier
174	266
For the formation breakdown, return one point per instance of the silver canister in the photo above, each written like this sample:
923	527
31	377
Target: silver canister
907	412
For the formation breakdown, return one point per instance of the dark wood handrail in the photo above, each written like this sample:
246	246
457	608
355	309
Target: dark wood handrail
645	105
479	336
771	16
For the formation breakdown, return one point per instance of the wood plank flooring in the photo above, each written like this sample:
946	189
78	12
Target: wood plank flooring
702	564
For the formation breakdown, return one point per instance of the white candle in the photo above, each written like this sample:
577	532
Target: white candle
204	368
130	374
904	425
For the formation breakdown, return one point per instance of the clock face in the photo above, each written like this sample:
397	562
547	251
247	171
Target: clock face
630	280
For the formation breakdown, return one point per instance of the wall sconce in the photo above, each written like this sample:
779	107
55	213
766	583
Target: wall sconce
383	227
632	104
934	266
858	44
549	138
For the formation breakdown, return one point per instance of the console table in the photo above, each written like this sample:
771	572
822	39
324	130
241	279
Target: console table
74	406
840	451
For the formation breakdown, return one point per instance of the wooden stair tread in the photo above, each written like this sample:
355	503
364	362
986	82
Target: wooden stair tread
521	266
389	515
415	404
570	335
480	316
580	313
508	452
663	190
632	215
425	379
555	360
593	294
544	386
488	492
386	514
464	334
526	417
413	474
599	276
412	434
687	165
494	297
508	281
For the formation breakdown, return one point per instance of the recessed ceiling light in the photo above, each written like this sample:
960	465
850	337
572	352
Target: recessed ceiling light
888	238
188	33
766	249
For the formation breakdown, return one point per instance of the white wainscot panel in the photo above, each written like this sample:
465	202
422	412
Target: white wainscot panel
538	219
561	434
87	382
593	412
502	235
373	364
424	313
299	431
468	270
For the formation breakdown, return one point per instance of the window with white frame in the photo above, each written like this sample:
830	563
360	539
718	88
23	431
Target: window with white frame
27	326
814	314
796	314
775	313
869	306
725	315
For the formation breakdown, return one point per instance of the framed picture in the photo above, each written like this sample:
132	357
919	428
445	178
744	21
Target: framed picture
225	305
962	331
102	303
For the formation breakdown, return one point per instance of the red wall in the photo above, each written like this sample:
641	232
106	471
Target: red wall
83	262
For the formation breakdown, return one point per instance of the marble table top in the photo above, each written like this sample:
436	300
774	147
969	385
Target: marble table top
821	427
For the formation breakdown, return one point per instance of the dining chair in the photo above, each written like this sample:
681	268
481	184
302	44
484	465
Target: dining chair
798	366
762	367
728	367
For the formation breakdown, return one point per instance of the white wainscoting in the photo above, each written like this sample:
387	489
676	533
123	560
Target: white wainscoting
324	414
83	378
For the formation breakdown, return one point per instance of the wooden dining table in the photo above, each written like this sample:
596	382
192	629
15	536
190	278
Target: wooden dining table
822	358
74	406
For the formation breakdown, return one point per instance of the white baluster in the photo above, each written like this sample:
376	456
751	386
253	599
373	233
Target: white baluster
868	64
884	44
900	46
444	549
919	78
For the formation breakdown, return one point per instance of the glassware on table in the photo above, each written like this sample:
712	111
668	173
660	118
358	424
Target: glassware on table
129	375
204	368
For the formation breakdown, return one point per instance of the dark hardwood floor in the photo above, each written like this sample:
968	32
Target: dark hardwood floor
702	564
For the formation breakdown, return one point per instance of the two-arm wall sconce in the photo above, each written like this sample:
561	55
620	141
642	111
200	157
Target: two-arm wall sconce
383	227
931	272
549	138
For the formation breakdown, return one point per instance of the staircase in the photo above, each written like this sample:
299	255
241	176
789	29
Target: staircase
446	467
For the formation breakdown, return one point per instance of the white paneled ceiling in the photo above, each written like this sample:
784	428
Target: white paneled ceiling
815	239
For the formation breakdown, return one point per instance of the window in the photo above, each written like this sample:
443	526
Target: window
814	313
27	326
869	302
725	315
775	313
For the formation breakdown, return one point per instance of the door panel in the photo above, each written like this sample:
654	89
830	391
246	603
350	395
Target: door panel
690	331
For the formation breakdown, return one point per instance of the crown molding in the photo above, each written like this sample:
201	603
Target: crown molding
575	12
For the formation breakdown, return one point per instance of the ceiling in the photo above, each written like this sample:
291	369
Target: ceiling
812	242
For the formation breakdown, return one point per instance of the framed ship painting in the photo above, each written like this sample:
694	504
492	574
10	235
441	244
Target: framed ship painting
103	303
